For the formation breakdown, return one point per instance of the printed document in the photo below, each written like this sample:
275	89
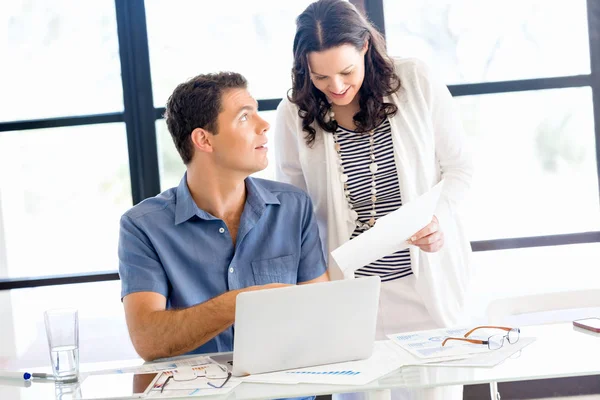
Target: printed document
384	360
157	366
428	344
389	234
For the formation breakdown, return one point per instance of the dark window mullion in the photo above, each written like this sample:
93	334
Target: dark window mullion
536	241
20	283
593	12
61	122
471	89
373	10
137	96
523	85
482	245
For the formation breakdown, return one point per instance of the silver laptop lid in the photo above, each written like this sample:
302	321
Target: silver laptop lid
305	325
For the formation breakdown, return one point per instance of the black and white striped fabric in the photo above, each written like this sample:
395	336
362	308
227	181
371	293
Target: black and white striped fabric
355	153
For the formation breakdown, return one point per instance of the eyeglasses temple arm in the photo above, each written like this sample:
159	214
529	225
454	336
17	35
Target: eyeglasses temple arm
474	341
487	327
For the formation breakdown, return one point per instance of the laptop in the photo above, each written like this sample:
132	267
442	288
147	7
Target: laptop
305	325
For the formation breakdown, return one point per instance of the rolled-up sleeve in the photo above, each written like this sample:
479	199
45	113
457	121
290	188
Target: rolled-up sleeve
312	263
140	269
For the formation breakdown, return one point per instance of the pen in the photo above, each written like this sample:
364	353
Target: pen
165	384
41	375
15	375
24	375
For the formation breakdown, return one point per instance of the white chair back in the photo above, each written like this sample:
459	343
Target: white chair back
542	308
545	307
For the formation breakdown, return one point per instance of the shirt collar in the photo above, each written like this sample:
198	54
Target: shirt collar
185	206
258	197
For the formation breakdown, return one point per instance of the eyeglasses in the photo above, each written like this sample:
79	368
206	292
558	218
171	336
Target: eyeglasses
217	373
494	342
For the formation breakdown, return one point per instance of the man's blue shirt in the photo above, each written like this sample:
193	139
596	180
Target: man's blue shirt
170	246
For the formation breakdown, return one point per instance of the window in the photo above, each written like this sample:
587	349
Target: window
518	272
62	192
61	59
535	163
535	151
536	166
479	41
254	38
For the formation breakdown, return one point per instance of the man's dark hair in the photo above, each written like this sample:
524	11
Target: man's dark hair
197	104
331	23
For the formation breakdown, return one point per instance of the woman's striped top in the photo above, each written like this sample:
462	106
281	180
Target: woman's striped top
356	158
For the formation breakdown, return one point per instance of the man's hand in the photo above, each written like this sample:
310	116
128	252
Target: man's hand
430	238
157	332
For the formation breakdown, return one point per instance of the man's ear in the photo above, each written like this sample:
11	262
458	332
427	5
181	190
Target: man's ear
202	140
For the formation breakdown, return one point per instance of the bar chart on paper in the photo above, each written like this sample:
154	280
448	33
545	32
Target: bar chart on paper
323	372
383	361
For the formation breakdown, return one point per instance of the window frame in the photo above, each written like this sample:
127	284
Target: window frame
140	115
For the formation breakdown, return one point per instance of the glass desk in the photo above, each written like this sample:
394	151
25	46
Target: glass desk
560	350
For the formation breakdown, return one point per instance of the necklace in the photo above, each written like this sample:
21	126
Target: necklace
373	167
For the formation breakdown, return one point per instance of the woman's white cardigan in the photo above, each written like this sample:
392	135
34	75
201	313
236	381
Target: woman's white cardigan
429	144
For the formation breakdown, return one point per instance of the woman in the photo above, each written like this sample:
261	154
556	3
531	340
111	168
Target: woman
363	133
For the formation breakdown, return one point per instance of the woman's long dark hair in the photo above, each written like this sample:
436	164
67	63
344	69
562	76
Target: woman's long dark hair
330	23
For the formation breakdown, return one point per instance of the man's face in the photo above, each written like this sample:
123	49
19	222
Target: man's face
240	145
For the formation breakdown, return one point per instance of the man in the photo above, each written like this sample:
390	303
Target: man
185	254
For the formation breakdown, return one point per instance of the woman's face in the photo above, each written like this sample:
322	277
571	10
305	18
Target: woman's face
338	72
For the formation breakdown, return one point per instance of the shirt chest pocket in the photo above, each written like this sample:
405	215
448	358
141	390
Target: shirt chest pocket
275	270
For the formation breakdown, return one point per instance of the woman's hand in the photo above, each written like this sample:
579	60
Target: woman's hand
430	238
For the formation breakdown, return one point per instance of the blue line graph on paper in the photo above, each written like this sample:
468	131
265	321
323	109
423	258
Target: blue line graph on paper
437	338
324	372
406	337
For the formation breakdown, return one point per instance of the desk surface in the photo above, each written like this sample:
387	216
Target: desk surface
559	351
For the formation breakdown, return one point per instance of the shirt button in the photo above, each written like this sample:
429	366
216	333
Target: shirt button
231	270
221	230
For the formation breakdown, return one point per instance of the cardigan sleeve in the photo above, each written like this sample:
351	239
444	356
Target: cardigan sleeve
451	147
287	155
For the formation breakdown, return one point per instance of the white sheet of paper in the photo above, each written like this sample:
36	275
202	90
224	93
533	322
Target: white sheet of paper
387	357
389	234
427	344
384	360
156	366
489	359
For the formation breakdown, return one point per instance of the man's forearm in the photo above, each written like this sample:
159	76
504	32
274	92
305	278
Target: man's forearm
168	333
